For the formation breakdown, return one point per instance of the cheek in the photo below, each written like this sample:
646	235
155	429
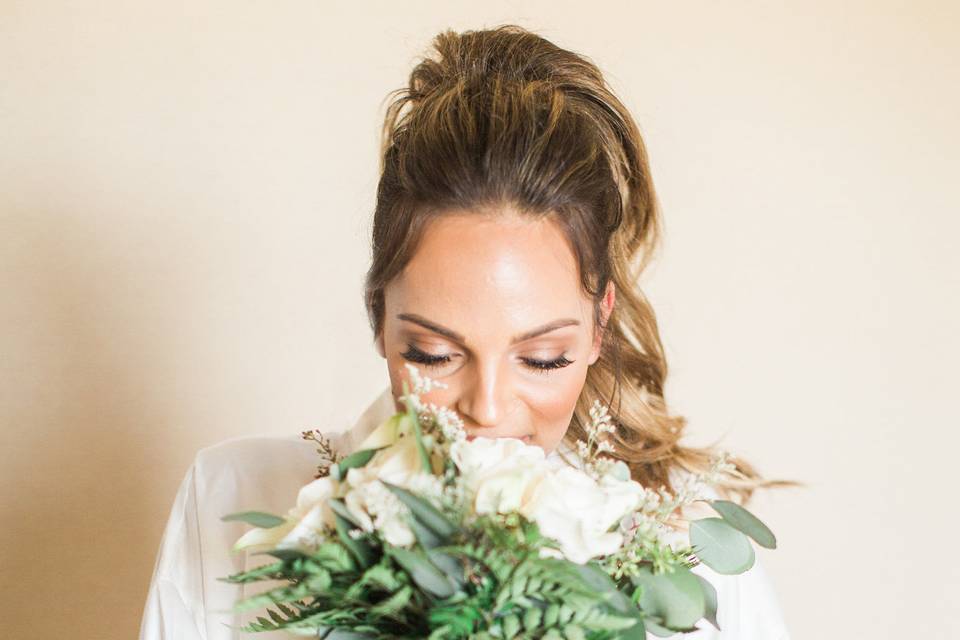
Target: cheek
552	402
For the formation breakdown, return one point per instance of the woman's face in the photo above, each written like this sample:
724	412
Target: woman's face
492	307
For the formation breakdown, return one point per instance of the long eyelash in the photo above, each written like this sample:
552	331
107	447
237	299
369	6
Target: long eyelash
540	366
544	366
416	355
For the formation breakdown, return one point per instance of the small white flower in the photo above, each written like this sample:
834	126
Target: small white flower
376	508
421	383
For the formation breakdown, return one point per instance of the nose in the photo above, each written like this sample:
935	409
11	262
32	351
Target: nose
484	398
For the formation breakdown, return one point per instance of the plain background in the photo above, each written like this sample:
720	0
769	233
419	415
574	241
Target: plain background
185	201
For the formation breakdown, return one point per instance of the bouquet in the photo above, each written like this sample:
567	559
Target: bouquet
422	533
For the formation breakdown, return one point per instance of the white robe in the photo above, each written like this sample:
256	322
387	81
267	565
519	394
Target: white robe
264	473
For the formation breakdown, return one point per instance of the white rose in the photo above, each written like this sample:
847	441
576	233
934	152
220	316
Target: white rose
497	471
570	506
479	456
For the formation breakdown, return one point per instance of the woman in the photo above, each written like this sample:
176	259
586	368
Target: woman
515	213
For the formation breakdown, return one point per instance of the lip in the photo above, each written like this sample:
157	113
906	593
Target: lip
526	438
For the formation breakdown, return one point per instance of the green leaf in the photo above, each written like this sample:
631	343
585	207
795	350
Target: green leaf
510	625
424	511
600	582
710	601
334	557
721	547
427	538
423	572
358	548
394	603
674	596
256	518
450	565
531	618
381	576
266	624
337	506
653	626
746	522
288	593
621	603
290	613
355	459
254	574
574	632
595	577
328	633
283	554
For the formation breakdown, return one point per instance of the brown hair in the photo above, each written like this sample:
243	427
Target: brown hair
504	119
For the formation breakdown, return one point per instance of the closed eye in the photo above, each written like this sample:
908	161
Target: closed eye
414	354
547	365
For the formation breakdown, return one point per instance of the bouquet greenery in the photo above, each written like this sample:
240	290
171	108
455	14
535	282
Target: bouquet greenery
421	533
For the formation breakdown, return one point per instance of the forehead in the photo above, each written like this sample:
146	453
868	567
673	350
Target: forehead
471	270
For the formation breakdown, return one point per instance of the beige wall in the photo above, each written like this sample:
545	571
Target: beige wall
184	206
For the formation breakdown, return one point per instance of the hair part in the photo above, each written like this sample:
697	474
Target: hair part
501	119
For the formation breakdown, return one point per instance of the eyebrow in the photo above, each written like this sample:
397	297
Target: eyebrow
453	335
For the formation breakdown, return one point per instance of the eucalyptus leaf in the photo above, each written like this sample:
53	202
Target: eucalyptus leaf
674	596
337	506
424	511
449	564
652	624
360	550
721	547
424	535
256	518
710	600
628	627
623	605
355	459
423	572
599	581
744	521
595	577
